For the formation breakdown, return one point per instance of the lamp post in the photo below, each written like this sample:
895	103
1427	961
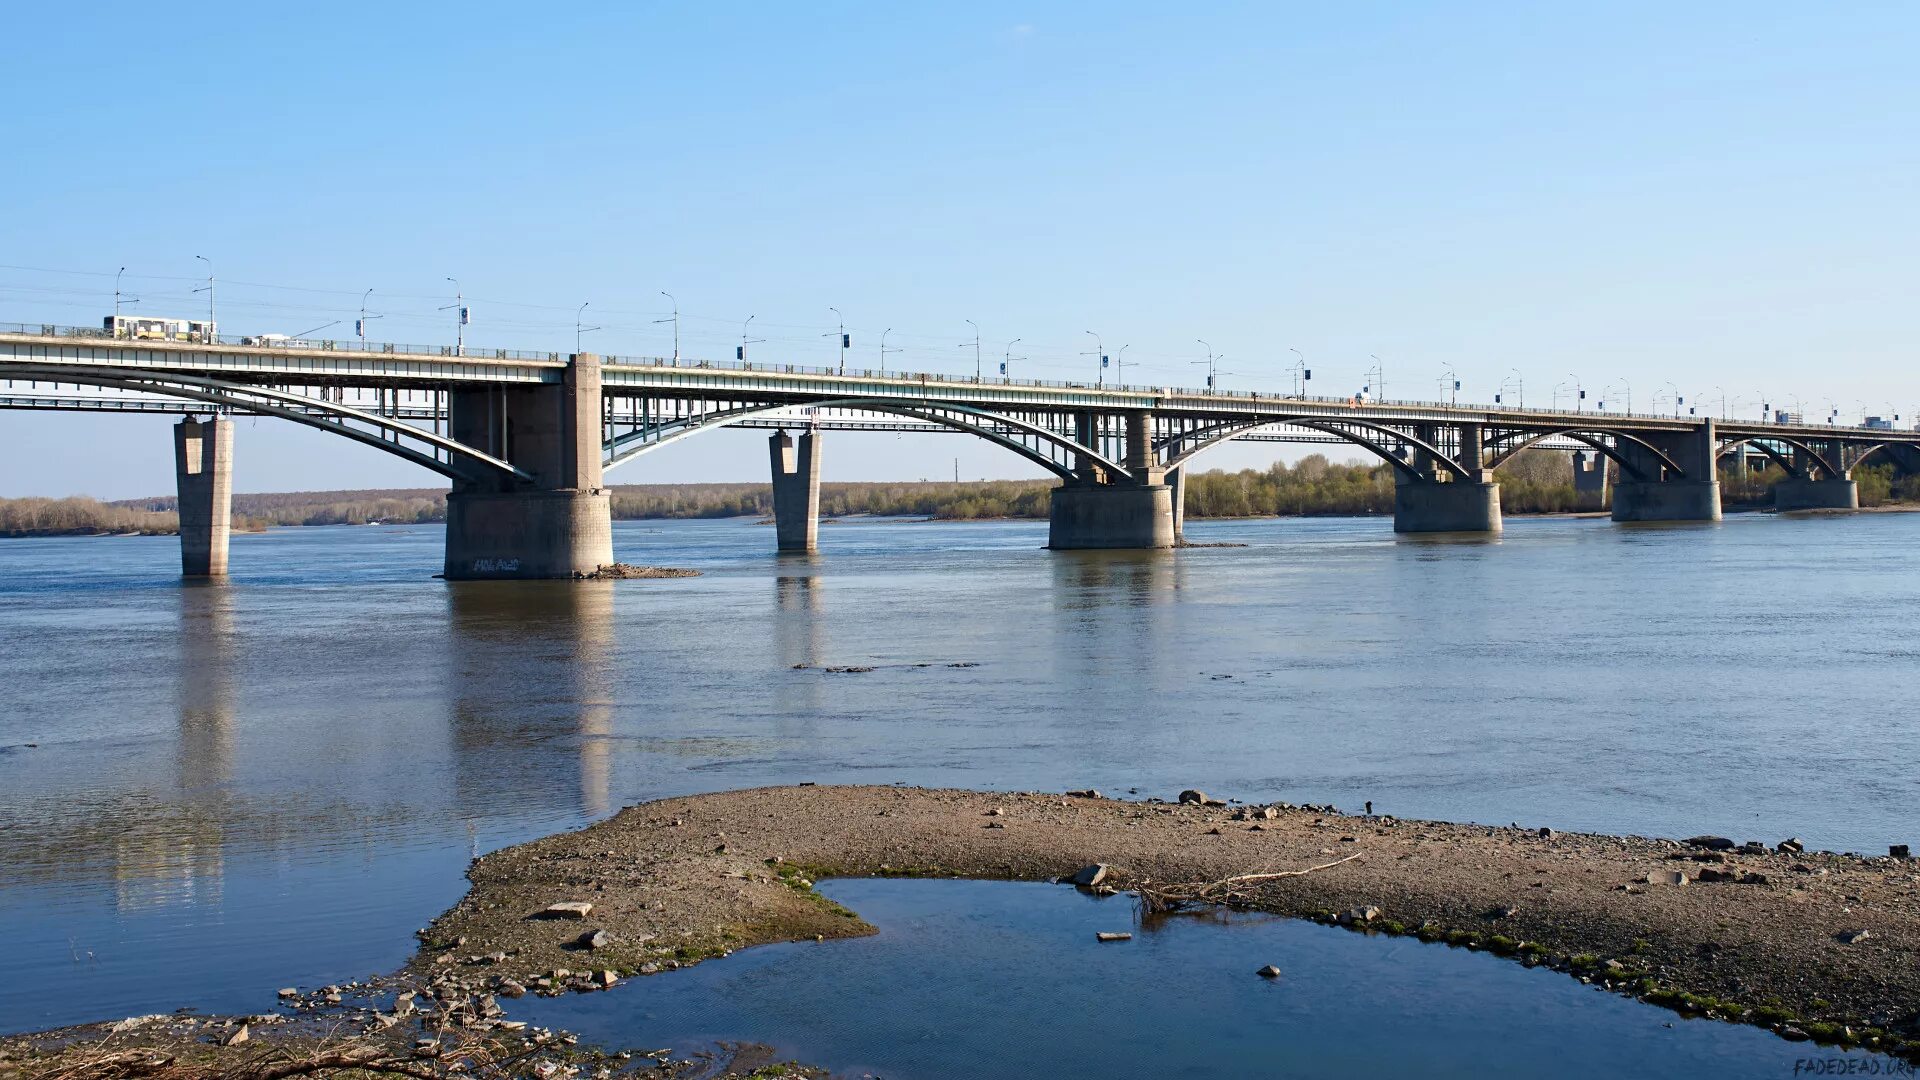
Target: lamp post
740	353
1451	384
117	301
1120	365
578	329
1006	360
1099	360
1209	362
360	327
675	320
1519	390
884	350
976	347
1377	378
844	339
459	308
1579	392
212	323
1301	373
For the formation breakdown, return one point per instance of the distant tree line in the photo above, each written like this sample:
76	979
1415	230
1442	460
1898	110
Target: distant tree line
1533	482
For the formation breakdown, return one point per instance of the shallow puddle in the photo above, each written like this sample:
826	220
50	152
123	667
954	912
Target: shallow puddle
1004	979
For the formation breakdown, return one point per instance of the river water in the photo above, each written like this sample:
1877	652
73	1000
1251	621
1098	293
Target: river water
273	782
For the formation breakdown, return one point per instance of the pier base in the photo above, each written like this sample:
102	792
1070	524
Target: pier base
203	473
1095	516
528	534
1794	493
796	490
1177	480
1671	500
1462	506
1589	481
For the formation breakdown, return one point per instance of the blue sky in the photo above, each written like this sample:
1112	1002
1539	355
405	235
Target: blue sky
1717	196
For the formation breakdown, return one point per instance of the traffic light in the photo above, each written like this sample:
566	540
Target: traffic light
739	352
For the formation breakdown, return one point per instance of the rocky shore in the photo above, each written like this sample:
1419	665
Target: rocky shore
1810	944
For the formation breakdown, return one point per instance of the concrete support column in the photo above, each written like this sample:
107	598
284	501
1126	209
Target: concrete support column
1139	443
1086	432
203	473
1113	516
1472	447
1177	486
1797	493
1589	480
558	524
1658	494
1453	506
796	490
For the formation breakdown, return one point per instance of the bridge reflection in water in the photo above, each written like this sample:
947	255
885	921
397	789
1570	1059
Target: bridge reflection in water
531	667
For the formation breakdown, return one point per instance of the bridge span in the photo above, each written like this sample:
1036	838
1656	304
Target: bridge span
526	438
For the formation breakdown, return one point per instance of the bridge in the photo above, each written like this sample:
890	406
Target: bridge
527	438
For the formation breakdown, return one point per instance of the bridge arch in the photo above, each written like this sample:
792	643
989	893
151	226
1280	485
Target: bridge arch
1590	438
1773	453
979	422
1228	430
462	462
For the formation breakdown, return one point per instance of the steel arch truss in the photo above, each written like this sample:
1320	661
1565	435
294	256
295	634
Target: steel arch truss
1183	439
443	455
1596	438
637	425
1832	470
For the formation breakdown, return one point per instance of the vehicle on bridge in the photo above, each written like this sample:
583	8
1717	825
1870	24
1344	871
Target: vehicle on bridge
148	328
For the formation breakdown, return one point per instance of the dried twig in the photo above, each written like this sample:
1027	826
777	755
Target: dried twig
1156	897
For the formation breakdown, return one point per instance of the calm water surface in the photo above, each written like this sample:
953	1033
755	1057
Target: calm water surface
275	781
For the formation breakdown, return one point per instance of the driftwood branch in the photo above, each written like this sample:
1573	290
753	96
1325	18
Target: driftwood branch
1158	897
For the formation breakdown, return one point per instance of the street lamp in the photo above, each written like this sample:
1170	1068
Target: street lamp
976	347
117	301
1100	360
460	318
1579	392
1007	358
1451	384
212	323
1302	374
884	350
675	320
578	329
1120	365
1209	362
740	353
845	339
1377	377
1519	390
360	327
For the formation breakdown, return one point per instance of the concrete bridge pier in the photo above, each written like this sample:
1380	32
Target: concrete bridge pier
1649	491
1799	493
1452	505
1177	482
1589	481
796	490
1126	512
203	475
558	524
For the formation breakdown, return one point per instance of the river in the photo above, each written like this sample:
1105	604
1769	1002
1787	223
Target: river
211	792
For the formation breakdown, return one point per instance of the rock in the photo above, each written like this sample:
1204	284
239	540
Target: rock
1849	937
996	812
1545	833
1359	915
1711	875
1084	793
1712	843
1192	797
1667	877
567	909
289	992
510	989
1105	936
1268	972
1899	851
1614	966
234	1036
592	939
1090	876
1790	846
607	978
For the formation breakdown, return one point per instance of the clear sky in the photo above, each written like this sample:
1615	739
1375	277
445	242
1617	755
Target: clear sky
1703	197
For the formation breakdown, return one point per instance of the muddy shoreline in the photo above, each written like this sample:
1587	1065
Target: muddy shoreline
1739	933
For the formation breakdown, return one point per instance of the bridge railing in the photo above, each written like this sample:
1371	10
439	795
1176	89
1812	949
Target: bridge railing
269	341
85	333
